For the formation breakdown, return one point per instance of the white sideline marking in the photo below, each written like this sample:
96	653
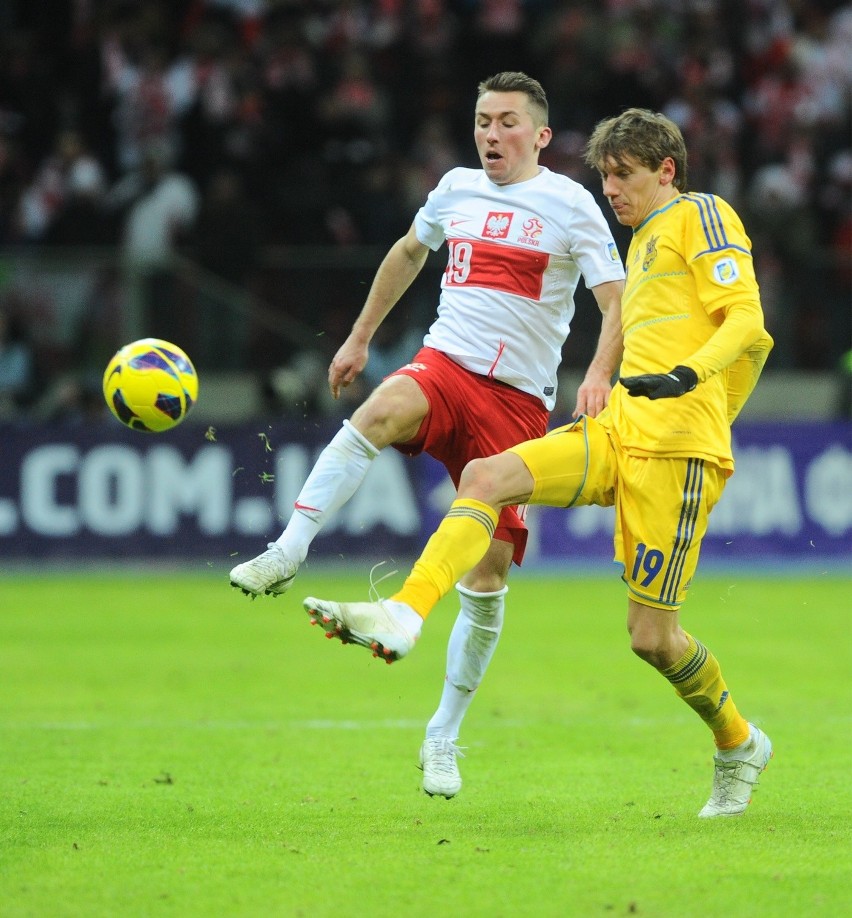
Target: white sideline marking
386	724
225	725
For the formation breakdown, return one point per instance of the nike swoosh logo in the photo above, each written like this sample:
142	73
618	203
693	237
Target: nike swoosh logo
456	222
299	506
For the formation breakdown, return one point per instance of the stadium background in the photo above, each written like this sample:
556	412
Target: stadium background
228	174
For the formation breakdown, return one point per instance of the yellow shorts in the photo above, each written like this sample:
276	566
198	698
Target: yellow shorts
661	504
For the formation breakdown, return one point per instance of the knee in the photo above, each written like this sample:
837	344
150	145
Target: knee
655	635
480	481
651	655
649	646
390	415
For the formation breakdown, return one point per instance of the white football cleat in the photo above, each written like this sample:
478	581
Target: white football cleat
441	777
270	573
735	775
374	625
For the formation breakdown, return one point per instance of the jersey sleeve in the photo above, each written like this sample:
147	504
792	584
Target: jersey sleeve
591	243
744	373
718	254
739	331
427	223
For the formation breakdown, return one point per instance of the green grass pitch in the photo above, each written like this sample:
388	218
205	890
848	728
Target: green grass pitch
171	749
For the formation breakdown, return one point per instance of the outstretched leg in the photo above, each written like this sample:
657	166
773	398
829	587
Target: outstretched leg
392	414
564	475
337	474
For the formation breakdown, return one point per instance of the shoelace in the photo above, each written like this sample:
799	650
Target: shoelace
273	551
375	596
444	749
728	774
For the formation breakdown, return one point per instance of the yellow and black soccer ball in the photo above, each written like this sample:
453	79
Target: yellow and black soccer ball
150	385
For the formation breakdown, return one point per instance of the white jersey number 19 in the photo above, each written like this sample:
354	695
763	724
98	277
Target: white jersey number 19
458	263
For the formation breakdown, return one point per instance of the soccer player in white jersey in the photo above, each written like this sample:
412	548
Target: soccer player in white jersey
519	237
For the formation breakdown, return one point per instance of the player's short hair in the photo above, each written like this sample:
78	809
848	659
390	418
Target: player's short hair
646	136
515	81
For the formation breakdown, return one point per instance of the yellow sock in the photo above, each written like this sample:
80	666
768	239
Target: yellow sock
455	547
697	678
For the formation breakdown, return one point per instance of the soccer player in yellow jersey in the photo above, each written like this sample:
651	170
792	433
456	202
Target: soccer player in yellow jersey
694	346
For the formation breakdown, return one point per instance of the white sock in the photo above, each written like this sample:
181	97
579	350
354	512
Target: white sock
471	646
336	476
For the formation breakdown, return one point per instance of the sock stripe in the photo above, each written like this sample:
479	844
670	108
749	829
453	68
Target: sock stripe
692	667
479	516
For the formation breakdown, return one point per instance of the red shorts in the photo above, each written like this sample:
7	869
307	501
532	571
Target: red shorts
470	417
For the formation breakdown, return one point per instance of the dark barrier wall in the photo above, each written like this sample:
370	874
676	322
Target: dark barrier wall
99	491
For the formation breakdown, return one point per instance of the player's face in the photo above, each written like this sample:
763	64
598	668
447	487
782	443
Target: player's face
508	140
634	191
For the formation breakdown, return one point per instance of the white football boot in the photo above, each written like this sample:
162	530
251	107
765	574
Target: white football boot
387	628
441	777
736	773
270	573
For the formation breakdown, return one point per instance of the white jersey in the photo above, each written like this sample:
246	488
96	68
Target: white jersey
516	253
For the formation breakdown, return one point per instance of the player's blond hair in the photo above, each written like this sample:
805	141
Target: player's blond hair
646	136
515	81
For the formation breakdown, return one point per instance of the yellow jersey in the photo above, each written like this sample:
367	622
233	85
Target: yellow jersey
690	298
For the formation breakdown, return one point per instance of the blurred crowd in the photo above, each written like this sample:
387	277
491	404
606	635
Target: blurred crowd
221	129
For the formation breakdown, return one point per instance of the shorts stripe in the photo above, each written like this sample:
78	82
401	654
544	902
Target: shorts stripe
685	530
478	516
585	430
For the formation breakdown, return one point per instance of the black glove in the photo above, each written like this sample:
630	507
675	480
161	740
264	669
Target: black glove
662	385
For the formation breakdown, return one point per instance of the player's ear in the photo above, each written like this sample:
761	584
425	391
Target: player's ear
668	171
545	135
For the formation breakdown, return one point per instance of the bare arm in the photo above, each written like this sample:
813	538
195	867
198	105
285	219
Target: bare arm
395	275
593	394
